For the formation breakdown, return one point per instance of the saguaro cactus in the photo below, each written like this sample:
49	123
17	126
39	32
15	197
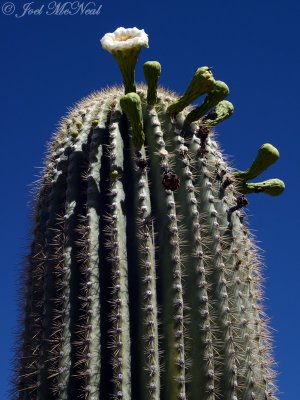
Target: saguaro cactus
143	281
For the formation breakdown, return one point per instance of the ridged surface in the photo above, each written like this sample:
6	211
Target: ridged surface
133	290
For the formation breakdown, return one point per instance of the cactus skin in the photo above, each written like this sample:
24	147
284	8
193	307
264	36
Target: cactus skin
136	291
143	281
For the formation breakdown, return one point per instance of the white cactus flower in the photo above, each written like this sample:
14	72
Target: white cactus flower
124	39
125	45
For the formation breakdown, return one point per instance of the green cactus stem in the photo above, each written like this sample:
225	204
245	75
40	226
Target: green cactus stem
152	71
143	280
218	93
132	107
201	83
222	111
266	156
273	187
171	262
125	45
148	327
116	234
127	63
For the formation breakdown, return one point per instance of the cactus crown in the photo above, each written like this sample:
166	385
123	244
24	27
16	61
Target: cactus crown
143	280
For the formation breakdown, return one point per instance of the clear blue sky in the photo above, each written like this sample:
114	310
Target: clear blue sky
49	62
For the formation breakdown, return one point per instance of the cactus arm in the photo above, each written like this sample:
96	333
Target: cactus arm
169	257
201	83
116	233
152	70
218	93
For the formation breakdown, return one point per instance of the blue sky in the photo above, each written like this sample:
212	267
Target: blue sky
49	62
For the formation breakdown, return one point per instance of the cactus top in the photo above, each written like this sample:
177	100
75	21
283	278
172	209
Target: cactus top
125	45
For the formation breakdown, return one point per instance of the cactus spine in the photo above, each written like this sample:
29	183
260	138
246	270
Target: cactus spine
143	280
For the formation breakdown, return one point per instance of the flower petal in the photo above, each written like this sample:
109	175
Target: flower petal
124	39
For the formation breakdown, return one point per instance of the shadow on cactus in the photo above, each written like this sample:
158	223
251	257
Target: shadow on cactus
143	281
